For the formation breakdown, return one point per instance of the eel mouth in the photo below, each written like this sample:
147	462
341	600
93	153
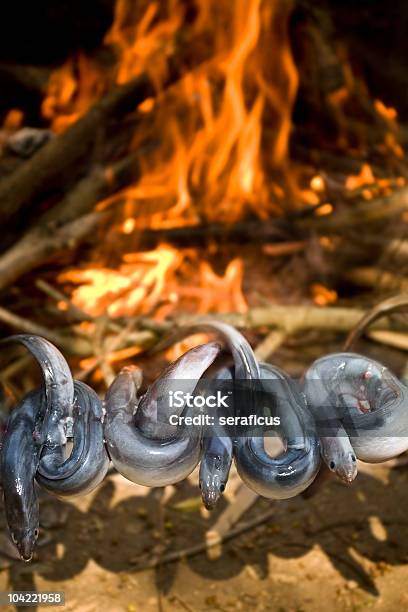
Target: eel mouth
210	498
347	474
25	548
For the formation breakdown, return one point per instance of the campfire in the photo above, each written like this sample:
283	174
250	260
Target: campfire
205	158
203	262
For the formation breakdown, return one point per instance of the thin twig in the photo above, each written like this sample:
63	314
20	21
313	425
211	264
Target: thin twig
375	277
146	339
270	344
107	371
70	343
389	338
182	603
25	325
58	296
288	318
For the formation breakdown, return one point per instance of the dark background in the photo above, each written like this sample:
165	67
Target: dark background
45	33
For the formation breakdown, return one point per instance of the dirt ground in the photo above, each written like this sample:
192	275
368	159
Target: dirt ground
346	548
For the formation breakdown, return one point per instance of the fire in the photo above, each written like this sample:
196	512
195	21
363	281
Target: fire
13	120
71	91
324	209
389	113
136	286
214	118
322	296
129	225
155	283
222	154
142	45
317	183
218	156
216	150
370	186
365	177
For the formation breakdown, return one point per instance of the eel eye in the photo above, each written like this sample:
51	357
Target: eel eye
222	488
36	533
332	465
353	458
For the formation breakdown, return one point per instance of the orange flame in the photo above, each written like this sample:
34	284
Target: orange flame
365	177
322	296
223	135
214	127
71	90
220	128
147	284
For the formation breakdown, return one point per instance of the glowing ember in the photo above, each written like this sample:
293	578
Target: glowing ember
385	111
322	296
317	184
128	225
310	197
328	243
13	120
392	145
366	177
325	209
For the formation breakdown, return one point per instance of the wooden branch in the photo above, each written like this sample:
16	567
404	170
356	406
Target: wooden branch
245	231
367	212
294	318
288	318
389	338
270	344
41	245
76	313
71	344
64	225
374	277
281	228
32	78
143	339
61	153
26	326
243	499
101	183
397	248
